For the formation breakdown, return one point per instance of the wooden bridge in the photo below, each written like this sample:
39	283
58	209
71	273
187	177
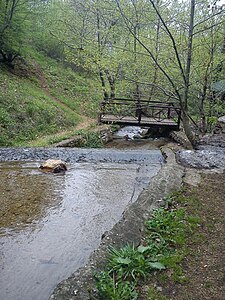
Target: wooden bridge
141	112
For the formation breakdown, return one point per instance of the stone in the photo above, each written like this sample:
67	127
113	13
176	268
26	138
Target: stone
220	126
213	140
206	158
222	120
54	166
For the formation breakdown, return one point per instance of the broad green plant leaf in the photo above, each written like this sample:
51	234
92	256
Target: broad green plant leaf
157	265
142	249
125	261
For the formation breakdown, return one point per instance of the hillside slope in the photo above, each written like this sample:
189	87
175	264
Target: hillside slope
40	97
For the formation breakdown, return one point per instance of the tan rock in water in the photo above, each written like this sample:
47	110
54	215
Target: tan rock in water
54	166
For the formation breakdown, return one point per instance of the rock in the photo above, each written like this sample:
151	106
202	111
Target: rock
207	158
192	177
213	140
222	120
54	166
209	153
106	135
76	141
220	126
181	138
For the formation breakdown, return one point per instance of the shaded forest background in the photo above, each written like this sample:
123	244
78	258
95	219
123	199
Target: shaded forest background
59	58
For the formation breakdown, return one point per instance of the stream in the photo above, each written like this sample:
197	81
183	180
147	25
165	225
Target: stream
50	224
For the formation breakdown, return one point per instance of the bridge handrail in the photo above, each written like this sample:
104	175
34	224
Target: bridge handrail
139	108
111	100
136	105
133	100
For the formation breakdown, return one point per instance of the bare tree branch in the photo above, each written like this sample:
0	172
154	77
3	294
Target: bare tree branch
127	21
210	17
171	38
209	27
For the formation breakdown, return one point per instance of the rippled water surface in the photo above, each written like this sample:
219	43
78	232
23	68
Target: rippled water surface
50	224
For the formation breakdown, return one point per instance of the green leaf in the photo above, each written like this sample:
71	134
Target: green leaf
142	249
125	261
157	265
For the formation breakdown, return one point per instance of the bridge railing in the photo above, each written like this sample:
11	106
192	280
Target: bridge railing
121	108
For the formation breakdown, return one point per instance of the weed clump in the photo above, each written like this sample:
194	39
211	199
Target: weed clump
163	247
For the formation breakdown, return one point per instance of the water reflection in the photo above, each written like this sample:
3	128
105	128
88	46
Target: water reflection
26	195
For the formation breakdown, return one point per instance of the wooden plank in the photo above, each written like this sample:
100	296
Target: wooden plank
134	120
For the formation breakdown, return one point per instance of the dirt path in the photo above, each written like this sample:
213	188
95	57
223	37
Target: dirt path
44	86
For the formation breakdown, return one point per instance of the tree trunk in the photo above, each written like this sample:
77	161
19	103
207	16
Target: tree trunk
187	129
184	104
111	81
105	93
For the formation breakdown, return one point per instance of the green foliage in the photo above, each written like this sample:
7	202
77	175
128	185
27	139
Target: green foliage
173	261
132	262
212	120
167	225
14	26
164	247
110	289
26	112
89	139
93	36
30	109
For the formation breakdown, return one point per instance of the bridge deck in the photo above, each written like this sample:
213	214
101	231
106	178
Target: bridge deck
130	120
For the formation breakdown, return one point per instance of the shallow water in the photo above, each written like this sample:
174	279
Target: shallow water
50	224
131	132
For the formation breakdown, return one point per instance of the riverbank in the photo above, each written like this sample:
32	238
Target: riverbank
128	230
202	266
200	275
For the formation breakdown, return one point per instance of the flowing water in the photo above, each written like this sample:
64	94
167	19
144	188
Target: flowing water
50	224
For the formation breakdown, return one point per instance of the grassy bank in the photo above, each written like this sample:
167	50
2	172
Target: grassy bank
41	97
180	255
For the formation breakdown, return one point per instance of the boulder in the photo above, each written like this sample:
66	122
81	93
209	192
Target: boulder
220	126
53	166
211	140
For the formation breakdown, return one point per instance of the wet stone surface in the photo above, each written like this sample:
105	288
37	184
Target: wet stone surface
81	155
49	223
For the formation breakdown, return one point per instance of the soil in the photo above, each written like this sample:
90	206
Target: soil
204	266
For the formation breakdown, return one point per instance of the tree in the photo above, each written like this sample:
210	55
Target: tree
93	39
26	23
177	66
11	19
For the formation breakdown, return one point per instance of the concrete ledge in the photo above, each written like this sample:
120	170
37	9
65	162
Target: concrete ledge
128	230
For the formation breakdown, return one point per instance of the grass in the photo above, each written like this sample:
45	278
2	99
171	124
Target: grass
87	138
153	294
164	247
28	112
110	288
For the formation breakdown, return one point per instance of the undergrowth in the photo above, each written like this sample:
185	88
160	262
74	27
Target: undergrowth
41	96
86	138
164	246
